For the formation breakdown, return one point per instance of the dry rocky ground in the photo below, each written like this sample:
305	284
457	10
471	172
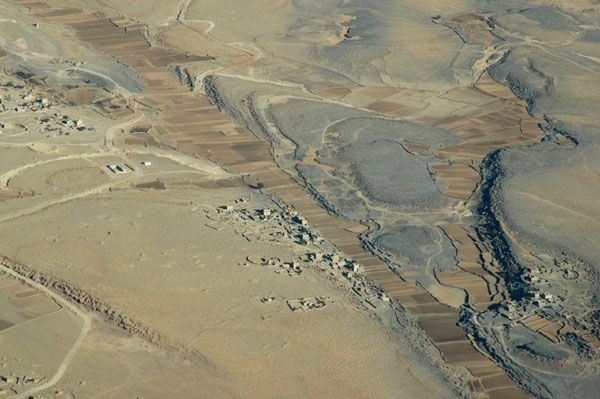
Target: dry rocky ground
338	199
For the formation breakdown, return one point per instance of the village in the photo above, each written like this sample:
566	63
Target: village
287	226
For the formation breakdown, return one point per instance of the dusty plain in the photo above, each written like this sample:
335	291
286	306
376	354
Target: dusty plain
299	199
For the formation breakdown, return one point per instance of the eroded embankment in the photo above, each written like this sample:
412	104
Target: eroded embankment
111	315
491	228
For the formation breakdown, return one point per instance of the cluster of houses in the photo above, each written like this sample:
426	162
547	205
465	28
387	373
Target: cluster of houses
293	226
17	98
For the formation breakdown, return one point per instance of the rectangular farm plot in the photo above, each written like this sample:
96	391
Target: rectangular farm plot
119	50
497	381
456	232
387	107
442	328
217	137
458	194
483	369
92	25
254	151
147	54
379	92
339	235
59	12
333	92
34	5
191	117
470	95
121	39
459	352
351	249
20	303
545	327
509	393
431	309
443	170
371	262
535	322
472	283
460	184
489	85
551	331
100	31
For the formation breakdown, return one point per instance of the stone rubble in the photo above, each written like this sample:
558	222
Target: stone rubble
287	226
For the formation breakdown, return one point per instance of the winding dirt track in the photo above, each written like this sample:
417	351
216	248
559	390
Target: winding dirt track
85	328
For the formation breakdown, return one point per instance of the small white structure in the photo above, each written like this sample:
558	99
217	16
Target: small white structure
146	163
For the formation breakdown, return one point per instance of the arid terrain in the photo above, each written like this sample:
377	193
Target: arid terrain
299	199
